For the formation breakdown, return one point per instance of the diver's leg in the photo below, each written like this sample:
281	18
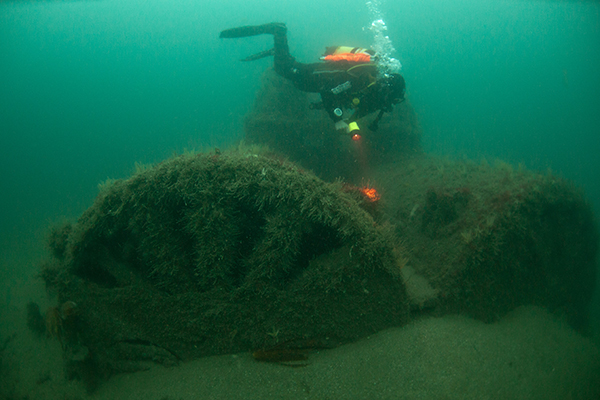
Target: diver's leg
254	30
283	62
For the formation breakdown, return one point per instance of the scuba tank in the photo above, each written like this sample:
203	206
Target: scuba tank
347	53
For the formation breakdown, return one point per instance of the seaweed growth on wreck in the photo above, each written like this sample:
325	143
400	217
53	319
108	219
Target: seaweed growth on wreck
218	253
489	238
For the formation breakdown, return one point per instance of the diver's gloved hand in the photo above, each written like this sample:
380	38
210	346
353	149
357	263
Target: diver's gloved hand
342	125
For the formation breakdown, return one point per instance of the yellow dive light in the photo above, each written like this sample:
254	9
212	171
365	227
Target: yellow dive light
354	130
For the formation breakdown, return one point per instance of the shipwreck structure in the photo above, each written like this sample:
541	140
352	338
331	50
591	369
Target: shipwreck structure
249	249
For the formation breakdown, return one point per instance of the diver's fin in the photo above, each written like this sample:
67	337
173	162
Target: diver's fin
258	56
253	30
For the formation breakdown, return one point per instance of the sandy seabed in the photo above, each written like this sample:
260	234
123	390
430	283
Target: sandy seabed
528	354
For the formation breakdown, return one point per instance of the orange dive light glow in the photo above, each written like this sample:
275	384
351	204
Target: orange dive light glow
370	193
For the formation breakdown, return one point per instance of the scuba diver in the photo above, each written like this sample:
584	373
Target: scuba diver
347	78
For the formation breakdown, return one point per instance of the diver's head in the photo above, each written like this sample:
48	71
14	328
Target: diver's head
393	88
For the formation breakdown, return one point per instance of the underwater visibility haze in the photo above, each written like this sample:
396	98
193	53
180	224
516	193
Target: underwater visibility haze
90	88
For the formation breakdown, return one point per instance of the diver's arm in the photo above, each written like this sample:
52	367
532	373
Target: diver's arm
333	105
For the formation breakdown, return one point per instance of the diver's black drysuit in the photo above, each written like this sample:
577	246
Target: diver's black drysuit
349	90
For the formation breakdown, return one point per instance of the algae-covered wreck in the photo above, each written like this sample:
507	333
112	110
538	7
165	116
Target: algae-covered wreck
225	252
220	253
